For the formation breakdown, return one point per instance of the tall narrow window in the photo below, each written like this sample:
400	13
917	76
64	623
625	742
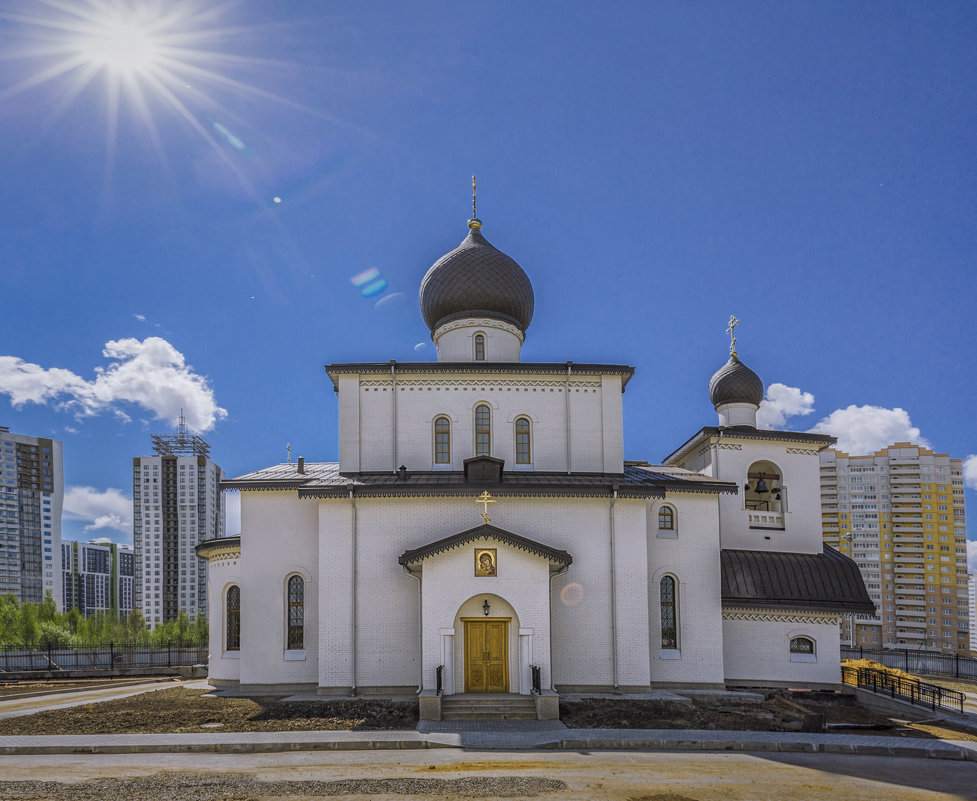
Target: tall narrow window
442	441
669	620
483	430
479	347
666	519
233	618
296	613
523	452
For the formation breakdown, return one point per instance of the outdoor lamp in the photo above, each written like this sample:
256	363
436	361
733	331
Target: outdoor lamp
486	607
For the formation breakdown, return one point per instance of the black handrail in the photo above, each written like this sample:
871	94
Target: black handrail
914	691
537	682
439	672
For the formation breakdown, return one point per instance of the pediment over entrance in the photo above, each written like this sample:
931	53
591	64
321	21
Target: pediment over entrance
553	555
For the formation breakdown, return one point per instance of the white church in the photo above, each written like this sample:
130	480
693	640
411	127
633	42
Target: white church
482	533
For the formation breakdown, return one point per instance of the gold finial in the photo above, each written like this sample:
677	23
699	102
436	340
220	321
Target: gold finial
474	223
733	322
485	499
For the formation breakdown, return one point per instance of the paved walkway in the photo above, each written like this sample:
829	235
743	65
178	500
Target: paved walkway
508	735
28	704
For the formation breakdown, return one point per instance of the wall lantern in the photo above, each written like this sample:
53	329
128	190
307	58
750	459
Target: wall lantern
486	608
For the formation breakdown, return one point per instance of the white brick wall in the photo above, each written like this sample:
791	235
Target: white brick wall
755	650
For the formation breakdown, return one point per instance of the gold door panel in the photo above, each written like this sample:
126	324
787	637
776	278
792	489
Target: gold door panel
486	656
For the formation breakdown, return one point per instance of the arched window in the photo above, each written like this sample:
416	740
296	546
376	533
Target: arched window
669	604
479	347
233	618
442	441
483	430
666	518
802	645
296	614
523	452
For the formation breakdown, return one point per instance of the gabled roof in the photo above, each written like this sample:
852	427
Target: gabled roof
825	581
817	441
323	480
485	531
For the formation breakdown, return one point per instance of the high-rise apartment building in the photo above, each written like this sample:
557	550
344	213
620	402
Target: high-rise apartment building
899	514
176	504
31	496
98	577
972	610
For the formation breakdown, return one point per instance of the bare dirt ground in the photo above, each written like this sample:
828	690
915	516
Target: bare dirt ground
185	710
180	709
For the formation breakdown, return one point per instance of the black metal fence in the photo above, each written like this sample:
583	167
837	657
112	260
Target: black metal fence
932	663
917	692
111	657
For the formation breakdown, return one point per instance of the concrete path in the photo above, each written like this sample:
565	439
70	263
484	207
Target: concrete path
485	736
16	707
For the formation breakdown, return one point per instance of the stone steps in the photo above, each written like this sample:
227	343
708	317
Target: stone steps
499	707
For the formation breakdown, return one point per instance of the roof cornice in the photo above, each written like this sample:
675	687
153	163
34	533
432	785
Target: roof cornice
820	441
554	368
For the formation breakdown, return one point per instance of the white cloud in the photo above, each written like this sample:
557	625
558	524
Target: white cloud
140	317
150	373
970	471
782	402
102	509
866	429
232	512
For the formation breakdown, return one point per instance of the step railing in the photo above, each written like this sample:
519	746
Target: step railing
916	692
537	681
440	673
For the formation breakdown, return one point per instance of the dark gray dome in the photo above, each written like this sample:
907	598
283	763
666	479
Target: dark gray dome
734	382
476	280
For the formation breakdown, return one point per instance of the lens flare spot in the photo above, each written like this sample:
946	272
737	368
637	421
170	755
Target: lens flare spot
420	346
373	289
364	277
571	595
279	200
388	300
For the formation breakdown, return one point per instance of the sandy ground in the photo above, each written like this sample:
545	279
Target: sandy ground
613	776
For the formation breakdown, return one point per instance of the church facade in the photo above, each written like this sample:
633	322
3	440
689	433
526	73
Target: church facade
482	532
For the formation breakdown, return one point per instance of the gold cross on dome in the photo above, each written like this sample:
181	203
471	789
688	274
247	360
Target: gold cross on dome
485	499
733	322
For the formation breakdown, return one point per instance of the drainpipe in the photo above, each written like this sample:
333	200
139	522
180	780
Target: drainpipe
393	406
420	630
352	651
566	392
555	575
613	593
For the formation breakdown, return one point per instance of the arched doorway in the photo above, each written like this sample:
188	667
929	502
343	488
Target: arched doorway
487	656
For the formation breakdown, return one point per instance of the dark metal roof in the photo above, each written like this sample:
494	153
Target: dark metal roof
323	480
556	368
827	581
734	382
486	531
736	432
476	280
219	542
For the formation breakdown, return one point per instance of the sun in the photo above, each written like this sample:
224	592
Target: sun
121	45
139	57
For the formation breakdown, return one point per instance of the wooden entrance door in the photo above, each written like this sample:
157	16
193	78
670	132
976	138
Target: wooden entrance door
487	656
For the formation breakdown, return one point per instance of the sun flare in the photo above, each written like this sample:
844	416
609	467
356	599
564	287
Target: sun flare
120	45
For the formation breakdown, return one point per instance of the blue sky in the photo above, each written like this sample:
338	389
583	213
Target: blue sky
654	167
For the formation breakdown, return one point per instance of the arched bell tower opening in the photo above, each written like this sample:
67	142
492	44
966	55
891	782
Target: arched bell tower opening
763	490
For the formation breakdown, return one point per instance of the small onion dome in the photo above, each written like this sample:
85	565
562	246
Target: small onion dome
476	280
734	382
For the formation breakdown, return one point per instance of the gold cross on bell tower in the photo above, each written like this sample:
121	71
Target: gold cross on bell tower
733	322
485	499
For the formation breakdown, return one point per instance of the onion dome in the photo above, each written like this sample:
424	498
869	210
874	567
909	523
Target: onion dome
476	280
734	382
